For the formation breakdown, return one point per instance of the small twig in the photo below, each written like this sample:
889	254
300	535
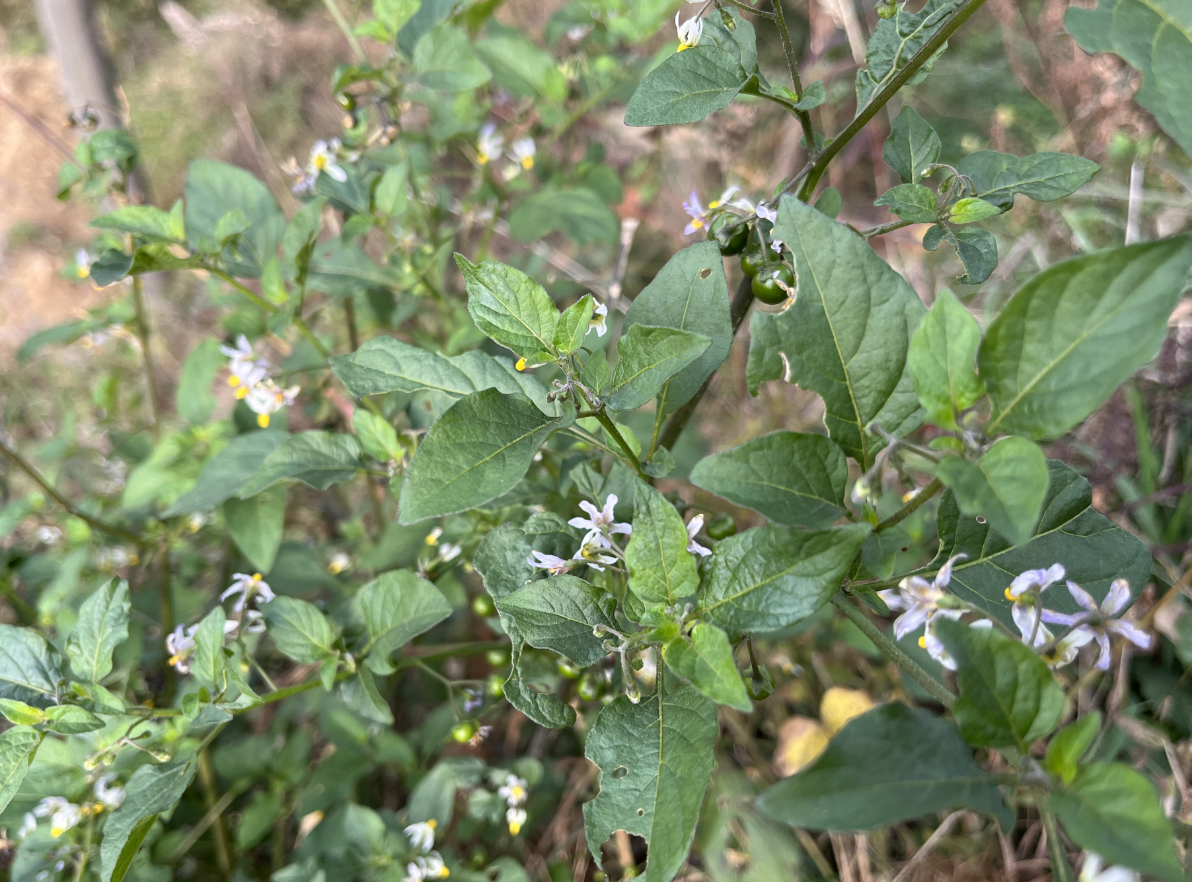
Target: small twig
138	299
933	840
911	507
346	28
792	64
215	808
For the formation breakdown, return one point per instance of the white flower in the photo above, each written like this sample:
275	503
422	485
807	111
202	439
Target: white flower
266	398
590	553
49	535
1094	870
523	151
180	644
340	562
513	791
82	263
1098	621
516	819
765	212
429	866
252	622
697	213
304	184
245	369
918	597
28	825
62	814
195	522
1034	582
247	586
109	797
600	524
598	321
422	834
1036	635
690	32
693	528
549	562
1027	611
322	159
489	144
449	551
724	198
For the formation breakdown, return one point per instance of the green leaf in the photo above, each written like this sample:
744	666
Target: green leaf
687	87
30	668
740	42
109	267
209	659
150	791
1155	38
770	577
706	659
392	196
360	693
573	325
577	212
560	614
344	269
655	762
194	399
544	708
813	96
976	248
690	293
317	459
509	306
102	626
1008	696
846	335
649	356
298	629
1076	331
969	210
228	472
521	68
256	526
911	146
895	40
661	569
1070	744
998	177
17	746
1092	549
376	435
444	60
396	607
789	477
887	765
911	202
21	714
212	190
1006	486
386	364
1114	811
476	451
70	719
146	221
941	359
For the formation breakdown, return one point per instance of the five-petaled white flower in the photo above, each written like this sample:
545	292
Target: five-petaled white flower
1097	621
180	644
516	819
513	791
591	554
422	835
429	866
599	320
322	159
690	32
1057	653
1094	870
489	144
599	523
109	797
693	527
918	597
1027	611
549	562
266	398
62	814
523	151
246	586
82	263
340	562
245	369
698	214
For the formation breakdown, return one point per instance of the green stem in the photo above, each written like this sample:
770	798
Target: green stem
70	507
911	507
611	428
264	304
346	28
793	63
350	321
138	299
817	167
1061	870
743	7
893	651
214	810
81	866
883	229
658	415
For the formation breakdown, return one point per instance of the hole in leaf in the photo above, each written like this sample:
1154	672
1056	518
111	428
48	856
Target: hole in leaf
620	772
980	520
641	812
705	272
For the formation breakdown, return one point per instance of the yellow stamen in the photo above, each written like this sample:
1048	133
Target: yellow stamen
133	559
1009	596
527	162
174	659
432	539
482	158
256	577
83	271
517	794
514	827
263	420
241	393
432	823
697	223
521	364
715	203
683	46
320	162
446	873
233	380
56	832
923	642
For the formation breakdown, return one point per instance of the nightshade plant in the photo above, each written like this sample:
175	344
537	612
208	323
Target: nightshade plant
515	461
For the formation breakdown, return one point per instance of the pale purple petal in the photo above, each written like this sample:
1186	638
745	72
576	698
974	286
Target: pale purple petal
1057	618
1082	597
944	576
1131	632
894	599
1024	618
593	512
609	505
626	529
1103	659
582	523
911	620
1117	598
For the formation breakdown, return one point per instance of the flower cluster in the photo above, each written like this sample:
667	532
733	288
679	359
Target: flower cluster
249	377
522	152
702	218
322	160
597	549
181	642
924	603
65	815
428	864
513	791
